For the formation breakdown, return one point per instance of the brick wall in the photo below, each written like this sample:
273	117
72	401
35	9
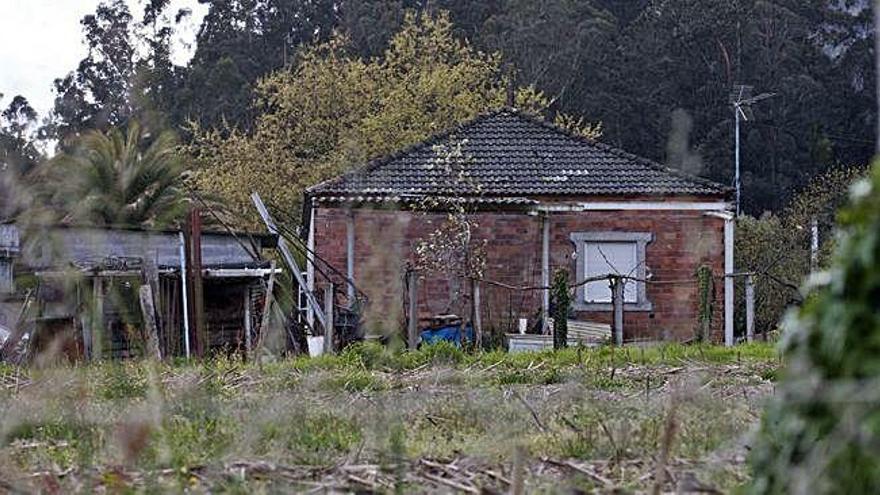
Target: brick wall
385	239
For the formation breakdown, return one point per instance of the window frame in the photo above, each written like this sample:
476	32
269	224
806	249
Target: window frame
640	239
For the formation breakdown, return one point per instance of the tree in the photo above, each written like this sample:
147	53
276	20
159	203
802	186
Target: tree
127	74
19	153
239	42
118	178
334	110
97	94
776	247
685	55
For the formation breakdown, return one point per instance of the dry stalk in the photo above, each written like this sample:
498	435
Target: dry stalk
528	406
517	486
666	445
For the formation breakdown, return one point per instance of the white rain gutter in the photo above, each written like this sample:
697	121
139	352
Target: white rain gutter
636	205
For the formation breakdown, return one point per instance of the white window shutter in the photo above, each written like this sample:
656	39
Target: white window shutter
603	258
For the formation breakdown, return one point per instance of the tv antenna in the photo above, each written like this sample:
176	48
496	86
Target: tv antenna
742	100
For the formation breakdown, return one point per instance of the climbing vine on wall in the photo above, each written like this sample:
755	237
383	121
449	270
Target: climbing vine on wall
561	299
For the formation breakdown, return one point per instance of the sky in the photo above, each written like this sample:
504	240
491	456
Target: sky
41	40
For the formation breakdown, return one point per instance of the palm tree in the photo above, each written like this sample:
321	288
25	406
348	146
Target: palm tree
121	179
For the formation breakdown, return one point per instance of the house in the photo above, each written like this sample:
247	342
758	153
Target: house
542	199
83	284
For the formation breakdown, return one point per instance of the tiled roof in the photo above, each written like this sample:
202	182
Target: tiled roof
510	155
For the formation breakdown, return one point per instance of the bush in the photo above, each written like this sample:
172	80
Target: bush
819	434
777	247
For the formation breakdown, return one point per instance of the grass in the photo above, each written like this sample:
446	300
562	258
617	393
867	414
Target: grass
296	424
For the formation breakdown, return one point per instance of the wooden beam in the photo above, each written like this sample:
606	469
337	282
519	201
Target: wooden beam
248	325
288	257
97	318
267	313
617	304
197	291
145	294
151	277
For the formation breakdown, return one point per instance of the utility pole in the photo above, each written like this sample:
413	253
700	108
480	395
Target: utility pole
742	100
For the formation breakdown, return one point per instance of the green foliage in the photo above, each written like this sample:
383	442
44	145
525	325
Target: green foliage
69	441
125	380
356	380
561	298
777	247
308	438
817	434
195	431
130	178
19	153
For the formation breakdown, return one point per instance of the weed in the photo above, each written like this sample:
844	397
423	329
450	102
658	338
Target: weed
308	438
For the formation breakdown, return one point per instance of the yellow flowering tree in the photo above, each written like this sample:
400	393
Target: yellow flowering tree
333	110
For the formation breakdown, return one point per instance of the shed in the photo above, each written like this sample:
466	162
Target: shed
542	199
86	280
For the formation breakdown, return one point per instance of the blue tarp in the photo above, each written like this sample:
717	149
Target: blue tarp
449	333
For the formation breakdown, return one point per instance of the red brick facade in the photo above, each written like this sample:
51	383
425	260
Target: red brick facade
385	239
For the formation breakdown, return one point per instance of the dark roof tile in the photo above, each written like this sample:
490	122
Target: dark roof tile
509	154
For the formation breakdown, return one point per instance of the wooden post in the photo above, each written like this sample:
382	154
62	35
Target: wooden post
267	307
412	330
248	325
150	330
151	278
617	304
477	317
97	319
750	308
198	295
85	322
329	330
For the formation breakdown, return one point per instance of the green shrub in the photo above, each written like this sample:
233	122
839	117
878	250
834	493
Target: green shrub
777	247
819	434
